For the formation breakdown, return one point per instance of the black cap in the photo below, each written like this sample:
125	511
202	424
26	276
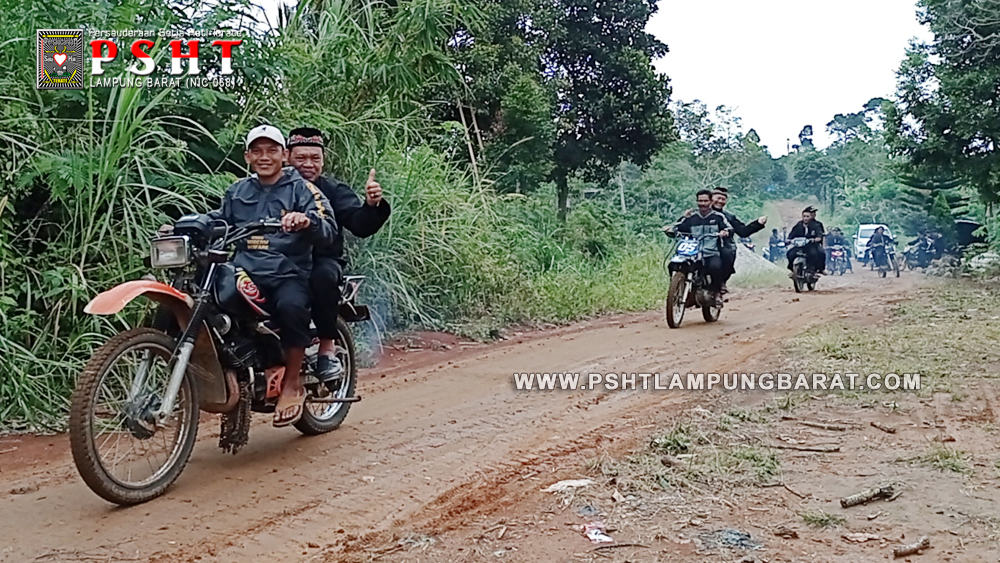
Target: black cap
809	209
305	137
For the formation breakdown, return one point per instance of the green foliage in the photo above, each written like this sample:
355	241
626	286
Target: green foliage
947	116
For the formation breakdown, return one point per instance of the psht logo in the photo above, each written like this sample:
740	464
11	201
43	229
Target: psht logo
59	60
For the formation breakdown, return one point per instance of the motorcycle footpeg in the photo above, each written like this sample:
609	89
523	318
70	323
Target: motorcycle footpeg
333	400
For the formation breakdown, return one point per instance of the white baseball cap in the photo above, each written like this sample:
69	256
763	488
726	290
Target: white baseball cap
265	132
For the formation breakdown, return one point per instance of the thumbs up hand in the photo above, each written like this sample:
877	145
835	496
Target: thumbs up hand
373	190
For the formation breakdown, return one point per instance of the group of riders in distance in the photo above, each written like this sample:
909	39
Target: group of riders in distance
706	256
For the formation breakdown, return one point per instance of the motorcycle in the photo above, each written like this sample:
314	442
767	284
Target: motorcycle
688	284
209	346
777	252
838	260
803	275
886	260
749	244
918	254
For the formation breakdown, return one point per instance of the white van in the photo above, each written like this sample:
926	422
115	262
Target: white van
865	233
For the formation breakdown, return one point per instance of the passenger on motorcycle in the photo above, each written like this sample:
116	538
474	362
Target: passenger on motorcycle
876	246
279	264
720	197
362	218
836	238
811	229
708	226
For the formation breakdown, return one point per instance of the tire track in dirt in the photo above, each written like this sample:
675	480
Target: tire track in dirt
427	449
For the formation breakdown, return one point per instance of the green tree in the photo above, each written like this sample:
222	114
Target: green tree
947	117
819	175
612	103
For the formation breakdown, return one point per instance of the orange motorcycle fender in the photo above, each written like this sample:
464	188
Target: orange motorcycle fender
215	392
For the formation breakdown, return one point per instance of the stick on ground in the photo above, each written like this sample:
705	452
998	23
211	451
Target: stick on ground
614	545
884	428
912	549
867	496
822	449
823	425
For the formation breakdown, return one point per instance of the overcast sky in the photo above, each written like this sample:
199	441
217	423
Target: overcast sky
783	64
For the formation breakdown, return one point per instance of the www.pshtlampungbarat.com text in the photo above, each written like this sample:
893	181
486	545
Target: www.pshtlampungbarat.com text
569	381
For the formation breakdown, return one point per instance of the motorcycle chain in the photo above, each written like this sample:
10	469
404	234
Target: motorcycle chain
235	431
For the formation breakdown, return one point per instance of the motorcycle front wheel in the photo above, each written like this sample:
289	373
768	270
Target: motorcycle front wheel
320	418
123	454
676	300
895	267
797	278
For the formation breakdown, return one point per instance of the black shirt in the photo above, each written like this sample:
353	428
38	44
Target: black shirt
813	230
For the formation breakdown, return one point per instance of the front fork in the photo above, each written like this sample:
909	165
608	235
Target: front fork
185	347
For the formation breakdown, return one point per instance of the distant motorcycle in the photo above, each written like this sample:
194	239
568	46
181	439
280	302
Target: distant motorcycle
918	254
838	260
884	259
776	253
749	244
804	276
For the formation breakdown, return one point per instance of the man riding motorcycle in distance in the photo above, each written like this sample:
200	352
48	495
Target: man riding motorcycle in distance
876	246
707	226
836	238
720	197
279	264
362	218
811	229
772	243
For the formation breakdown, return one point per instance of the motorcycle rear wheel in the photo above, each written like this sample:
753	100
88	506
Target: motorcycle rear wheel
85	412
676	303
320	418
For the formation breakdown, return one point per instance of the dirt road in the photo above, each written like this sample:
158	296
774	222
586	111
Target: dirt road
431	447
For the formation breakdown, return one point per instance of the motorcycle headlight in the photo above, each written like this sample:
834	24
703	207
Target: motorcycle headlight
170	252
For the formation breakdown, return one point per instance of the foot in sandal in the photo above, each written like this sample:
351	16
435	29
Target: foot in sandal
291	404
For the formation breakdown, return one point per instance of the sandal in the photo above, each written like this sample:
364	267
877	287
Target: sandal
287	412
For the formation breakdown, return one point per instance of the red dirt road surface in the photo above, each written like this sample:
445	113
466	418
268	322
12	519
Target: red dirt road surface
436	447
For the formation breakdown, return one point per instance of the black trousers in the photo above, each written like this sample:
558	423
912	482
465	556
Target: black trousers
728	262
287	300
814	254
327	274
715	267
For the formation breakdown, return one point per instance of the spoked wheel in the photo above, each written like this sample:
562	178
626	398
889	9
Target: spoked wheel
797	278
677	299
320	418
895	267
122	452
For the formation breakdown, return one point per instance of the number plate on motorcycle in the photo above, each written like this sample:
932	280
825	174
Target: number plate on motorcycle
687	248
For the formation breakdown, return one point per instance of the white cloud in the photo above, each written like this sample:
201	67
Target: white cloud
783	64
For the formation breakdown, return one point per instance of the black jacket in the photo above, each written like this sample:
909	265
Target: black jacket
739	228
835	240
814	230
703	227
280	255
351	212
